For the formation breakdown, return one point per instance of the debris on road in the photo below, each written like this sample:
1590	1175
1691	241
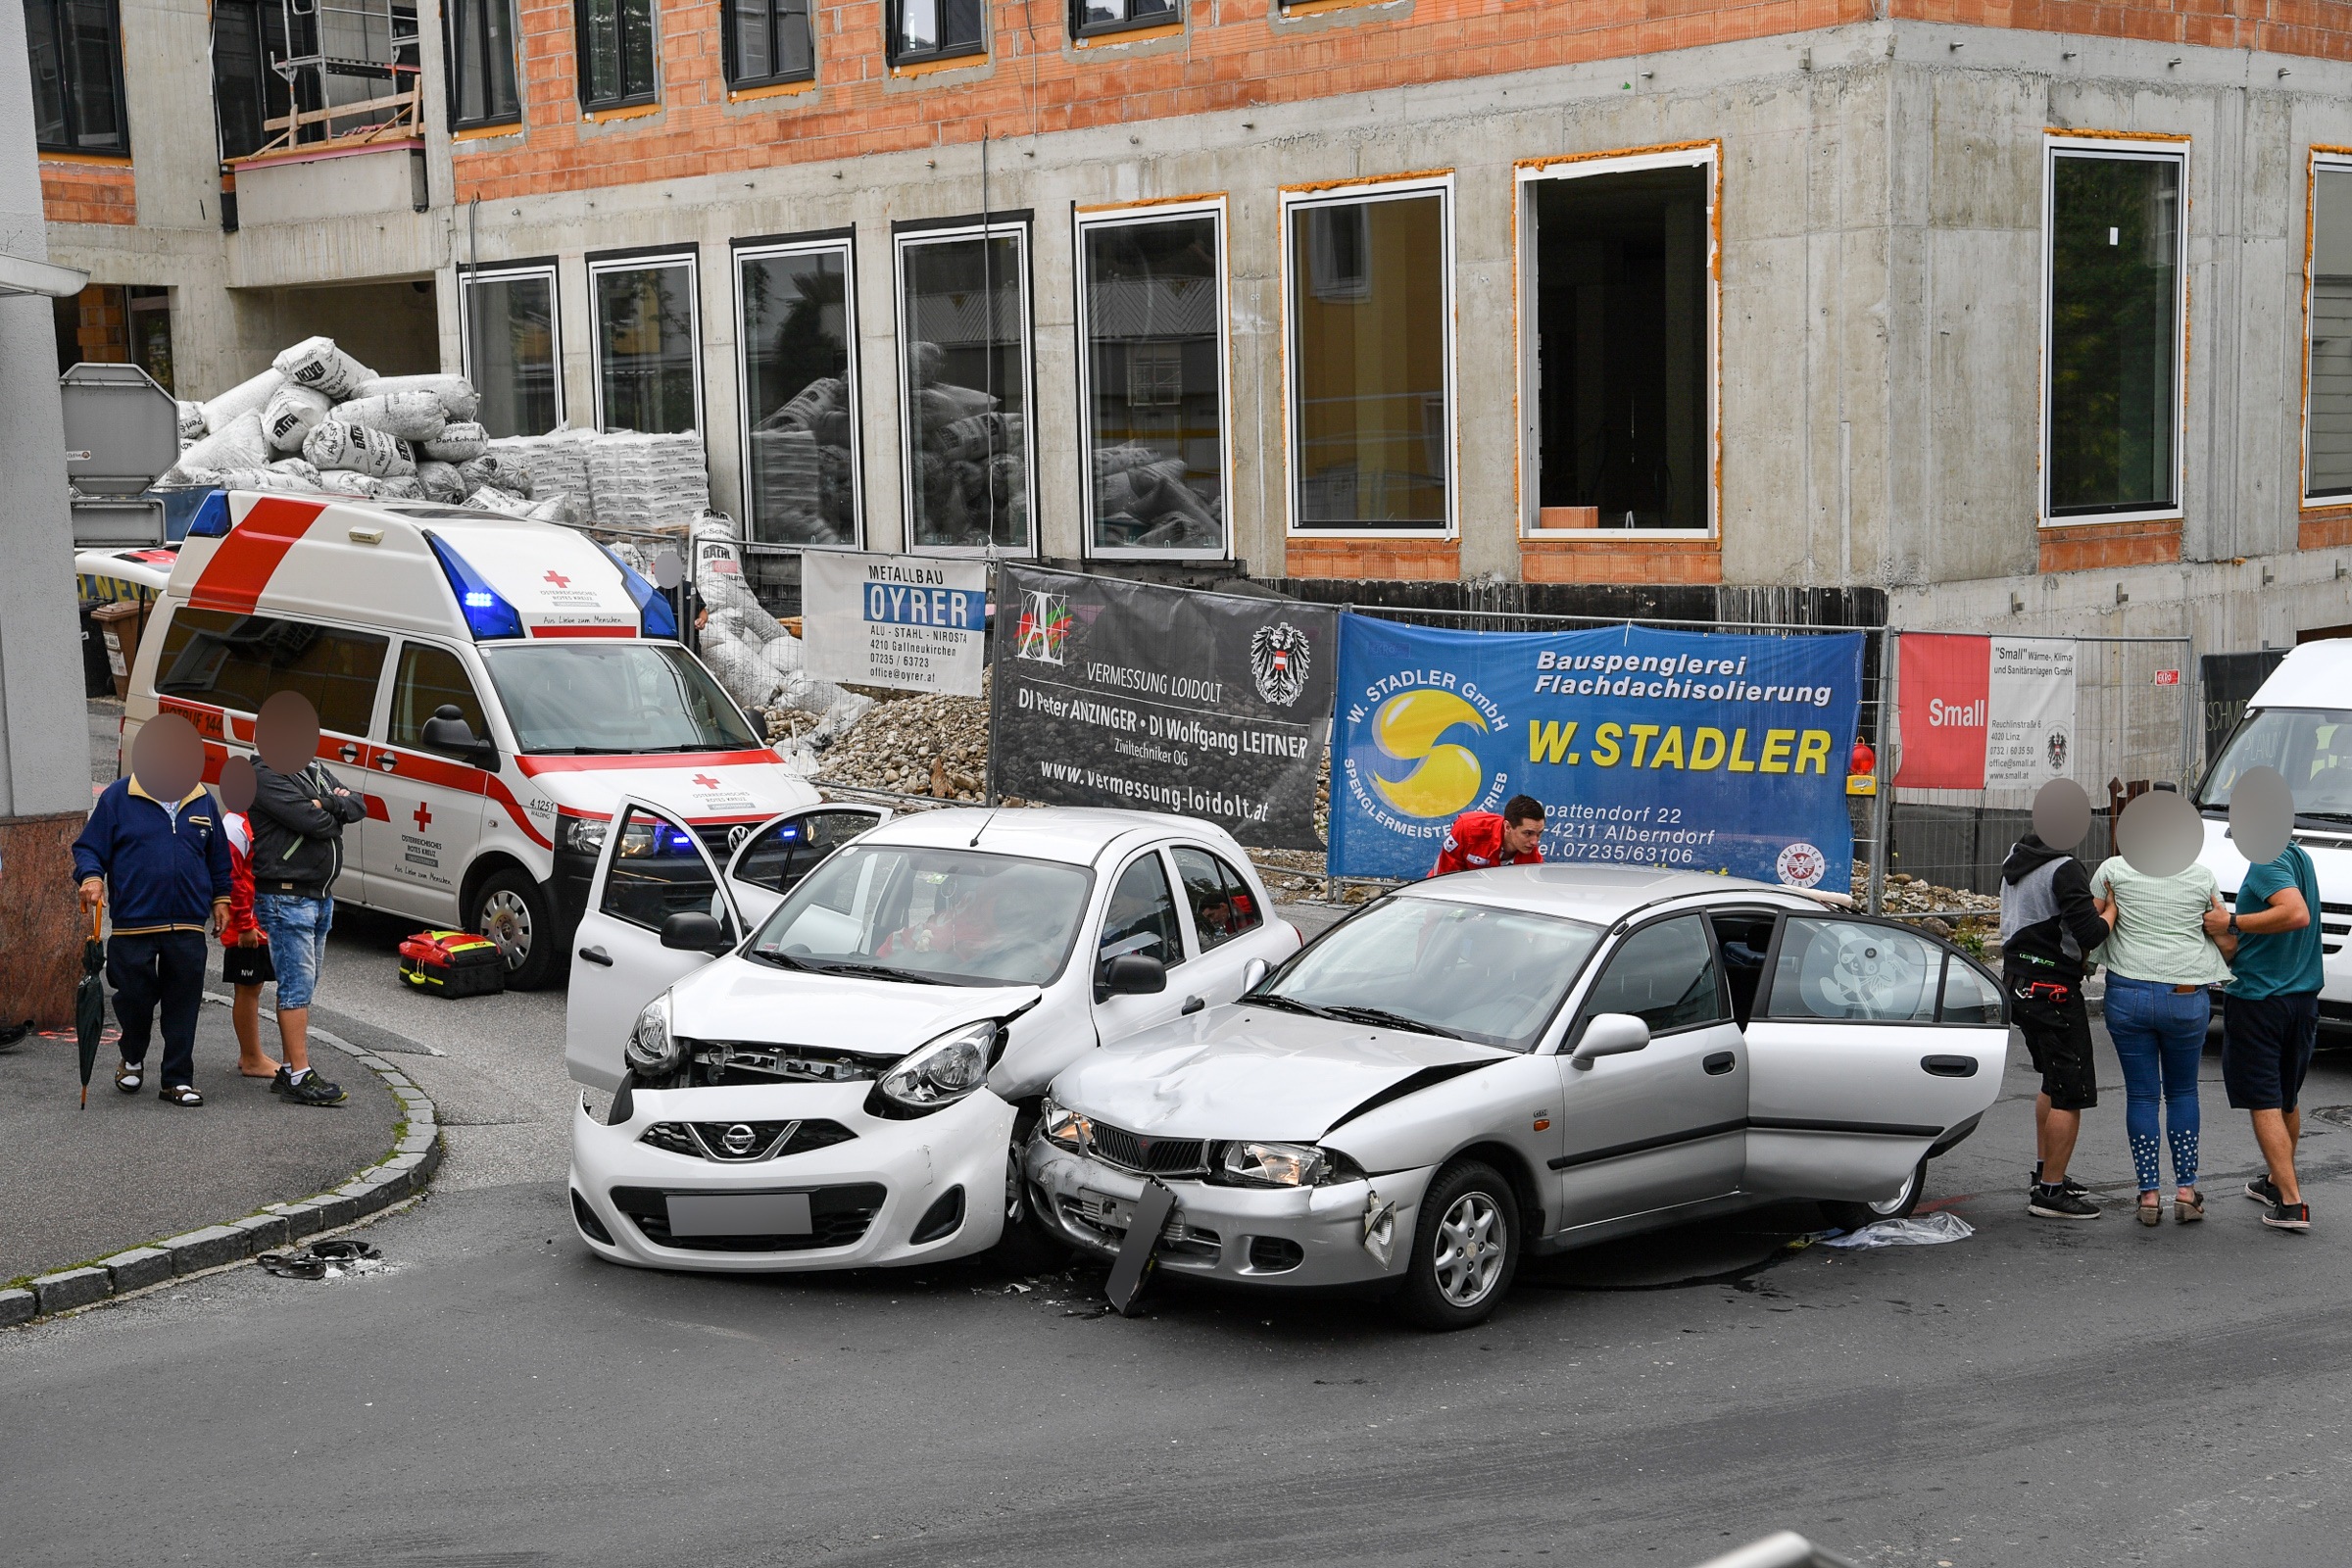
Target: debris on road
1918	1229
331	1259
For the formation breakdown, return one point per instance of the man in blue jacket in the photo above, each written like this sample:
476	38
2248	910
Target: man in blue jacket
155	839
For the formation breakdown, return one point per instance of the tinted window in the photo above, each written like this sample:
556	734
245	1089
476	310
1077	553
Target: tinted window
658	871
1969	997
430	677
1143	914
1846	969
1221	904
237	661
1662	974
789	851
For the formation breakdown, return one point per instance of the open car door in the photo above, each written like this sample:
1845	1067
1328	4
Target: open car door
773	857
652	868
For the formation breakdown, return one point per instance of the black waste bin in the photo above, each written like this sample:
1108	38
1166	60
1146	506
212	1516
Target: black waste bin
97	673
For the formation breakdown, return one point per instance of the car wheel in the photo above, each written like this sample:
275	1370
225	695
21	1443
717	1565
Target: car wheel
1854	1216
1465	1249
513	910
1026	1246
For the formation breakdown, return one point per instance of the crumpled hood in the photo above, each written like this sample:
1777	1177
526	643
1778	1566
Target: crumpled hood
736	998
1252	1072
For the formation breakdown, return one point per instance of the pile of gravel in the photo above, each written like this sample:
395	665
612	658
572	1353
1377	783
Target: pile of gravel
935	746
1907	895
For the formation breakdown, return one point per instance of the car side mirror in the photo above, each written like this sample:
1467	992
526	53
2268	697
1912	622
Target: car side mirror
1131	974
695	932
1609	1034
1254	971
448	731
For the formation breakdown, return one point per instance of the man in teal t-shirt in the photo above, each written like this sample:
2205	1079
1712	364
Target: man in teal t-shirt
2271	1016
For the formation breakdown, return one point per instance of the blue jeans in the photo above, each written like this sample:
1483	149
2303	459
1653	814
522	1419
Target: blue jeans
297	929
2160	1039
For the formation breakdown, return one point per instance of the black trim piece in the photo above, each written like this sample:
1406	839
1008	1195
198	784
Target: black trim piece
1950	1067
1005	216
1644	1145
1411	1083
1954	1135
1879	1129
524	264
813	236
679	248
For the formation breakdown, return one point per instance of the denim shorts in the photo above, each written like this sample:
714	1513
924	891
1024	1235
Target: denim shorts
297	930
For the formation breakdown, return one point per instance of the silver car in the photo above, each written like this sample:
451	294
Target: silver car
1524	1060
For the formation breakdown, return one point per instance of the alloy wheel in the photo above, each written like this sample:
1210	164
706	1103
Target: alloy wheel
1470	1250
506	922
1894	1205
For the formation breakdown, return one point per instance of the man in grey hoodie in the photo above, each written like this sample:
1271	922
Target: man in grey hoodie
2048	922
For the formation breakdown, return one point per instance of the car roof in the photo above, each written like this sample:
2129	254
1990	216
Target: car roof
1077	835
1599	893
2315	674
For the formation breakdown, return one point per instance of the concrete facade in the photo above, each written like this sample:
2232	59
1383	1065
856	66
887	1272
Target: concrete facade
1880	297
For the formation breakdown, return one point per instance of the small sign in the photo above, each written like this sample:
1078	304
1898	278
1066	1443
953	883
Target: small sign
2168	678
1861	784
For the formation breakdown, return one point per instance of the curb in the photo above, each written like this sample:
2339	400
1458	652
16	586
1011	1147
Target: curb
399	1175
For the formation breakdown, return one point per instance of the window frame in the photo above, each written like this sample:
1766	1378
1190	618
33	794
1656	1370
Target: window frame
590	104
1370	189
453	62
2124	147
211	696
398	665
2321	157
1118	215
1762	1013
122	95
730	67
906	236
816	242
641	258
1529	173
1581	1015
542	266
1186	940
892	31
1174	17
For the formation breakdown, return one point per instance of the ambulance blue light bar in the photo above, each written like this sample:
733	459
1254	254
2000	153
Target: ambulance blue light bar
212	517
487	616
654	616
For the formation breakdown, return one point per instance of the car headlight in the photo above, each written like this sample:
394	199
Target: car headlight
653	1052
1061	1125
944	1070
1274	1164
582	835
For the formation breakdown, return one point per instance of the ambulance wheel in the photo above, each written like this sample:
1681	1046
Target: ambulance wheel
513	910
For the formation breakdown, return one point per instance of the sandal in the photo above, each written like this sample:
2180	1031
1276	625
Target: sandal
2151	1209
2191	1210
127	1077
179	1095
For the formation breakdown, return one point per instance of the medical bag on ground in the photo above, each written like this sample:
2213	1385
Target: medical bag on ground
453	964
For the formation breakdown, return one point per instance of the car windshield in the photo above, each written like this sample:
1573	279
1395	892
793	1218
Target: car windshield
944	917
625	698
1494	976
2310	747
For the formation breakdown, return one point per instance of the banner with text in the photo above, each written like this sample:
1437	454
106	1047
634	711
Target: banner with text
1708	751
1115	693
894	621
1985	713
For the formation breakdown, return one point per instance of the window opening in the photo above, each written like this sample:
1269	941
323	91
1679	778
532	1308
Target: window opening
75	50
648	346
2329	441
615	53
935	29
799	327
513	351
769	41
967	354
481	64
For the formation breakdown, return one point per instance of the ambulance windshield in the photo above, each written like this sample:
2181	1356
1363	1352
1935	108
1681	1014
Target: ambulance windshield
617	697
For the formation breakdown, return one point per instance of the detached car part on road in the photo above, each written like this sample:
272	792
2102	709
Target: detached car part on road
1527	1060
848	1085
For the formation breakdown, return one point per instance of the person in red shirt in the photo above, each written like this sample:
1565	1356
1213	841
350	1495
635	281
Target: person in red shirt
245	955
1481	840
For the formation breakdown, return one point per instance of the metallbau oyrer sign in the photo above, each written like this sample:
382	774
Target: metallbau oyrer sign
894	620
1115	693
1705	752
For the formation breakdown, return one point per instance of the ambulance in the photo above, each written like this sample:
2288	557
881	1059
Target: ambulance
497	688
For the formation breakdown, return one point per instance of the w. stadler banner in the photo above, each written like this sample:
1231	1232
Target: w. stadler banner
1706	752
1115	693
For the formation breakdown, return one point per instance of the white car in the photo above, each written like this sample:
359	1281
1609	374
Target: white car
835	1068
1498	1063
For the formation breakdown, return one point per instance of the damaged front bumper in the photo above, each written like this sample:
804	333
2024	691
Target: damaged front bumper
1345	1232
842	1189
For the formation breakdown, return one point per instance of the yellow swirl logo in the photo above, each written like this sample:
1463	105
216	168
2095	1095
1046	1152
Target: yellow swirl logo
1408	727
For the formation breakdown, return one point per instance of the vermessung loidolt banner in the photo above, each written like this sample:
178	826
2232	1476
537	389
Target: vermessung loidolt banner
1698	751
894	620
1115	693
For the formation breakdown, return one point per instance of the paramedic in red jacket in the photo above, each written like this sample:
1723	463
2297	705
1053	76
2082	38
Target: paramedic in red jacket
1479	839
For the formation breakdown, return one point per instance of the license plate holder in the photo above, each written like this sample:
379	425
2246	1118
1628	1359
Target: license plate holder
694	1215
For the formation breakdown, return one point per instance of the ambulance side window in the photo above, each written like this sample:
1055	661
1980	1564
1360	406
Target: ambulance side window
430	677
237	661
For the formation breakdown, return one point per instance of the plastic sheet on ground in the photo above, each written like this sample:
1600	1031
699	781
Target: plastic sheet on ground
1918	1230
331	1259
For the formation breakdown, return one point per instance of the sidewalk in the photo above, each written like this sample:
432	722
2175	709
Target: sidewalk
82	1185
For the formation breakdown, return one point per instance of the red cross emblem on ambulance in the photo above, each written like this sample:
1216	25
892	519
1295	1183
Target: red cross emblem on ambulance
706	781
424	817
558	578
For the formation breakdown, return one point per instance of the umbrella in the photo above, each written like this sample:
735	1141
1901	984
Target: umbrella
90	1003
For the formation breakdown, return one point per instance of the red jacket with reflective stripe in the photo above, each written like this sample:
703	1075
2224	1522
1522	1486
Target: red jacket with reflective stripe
1475	843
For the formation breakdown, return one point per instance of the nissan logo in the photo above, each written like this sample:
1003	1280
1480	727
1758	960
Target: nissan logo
738	1139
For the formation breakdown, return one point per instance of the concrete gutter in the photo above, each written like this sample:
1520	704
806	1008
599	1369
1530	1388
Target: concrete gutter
401	1174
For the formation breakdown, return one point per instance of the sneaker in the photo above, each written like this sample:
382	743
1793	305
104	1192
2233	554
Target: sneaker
2056	1203
2289	1218
2263	1191
2069	1185
311	1091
